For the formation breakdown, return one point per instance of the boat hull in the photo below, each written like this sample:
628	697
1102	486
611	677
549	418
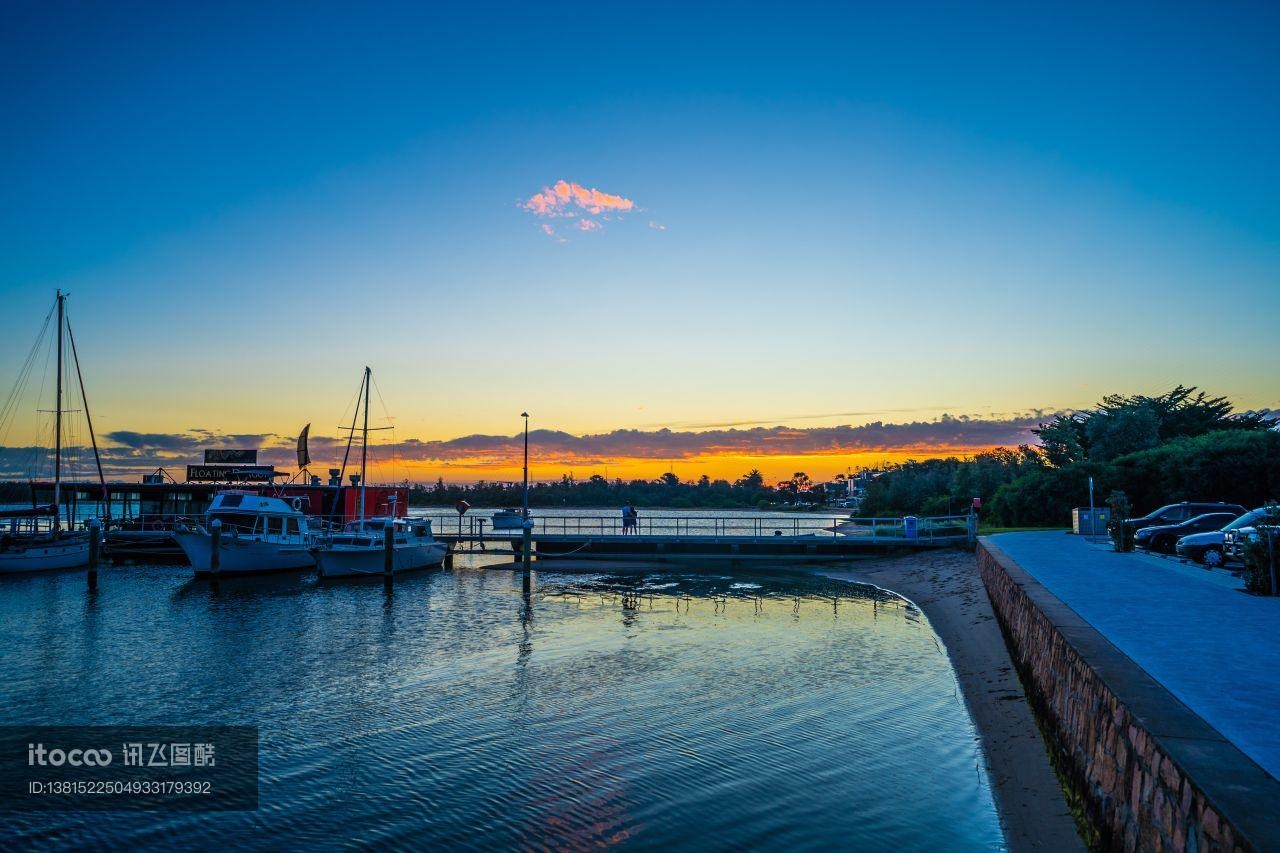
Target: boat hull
508	522
40	557
244	556
339	562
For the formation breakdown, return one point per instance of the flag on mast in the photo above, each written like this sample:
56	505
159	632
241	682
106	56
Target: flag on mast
304	457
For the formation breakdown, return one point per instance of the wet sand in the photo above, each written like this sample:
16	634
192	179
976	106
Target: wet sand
946	586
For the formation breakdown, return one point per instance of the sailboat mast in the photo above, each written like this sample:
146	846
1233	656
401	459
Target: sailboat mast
57	420
364	443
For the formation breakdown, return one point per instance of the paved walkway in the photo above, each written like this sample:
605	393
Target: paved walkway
1195	631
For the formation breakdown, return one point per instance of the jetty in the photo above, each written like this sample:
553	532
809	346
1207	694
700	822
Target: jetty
730	537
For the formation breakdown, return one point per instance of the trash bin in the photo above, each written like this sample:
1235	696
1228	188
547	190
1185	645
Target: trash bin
910	526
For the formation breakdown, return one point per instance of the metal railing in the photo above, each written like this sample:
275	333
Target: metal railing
940	529
925	529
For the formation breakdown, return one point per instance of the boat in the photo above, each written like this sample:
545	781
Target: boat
509	519
258	534
33	540
359	549
145	516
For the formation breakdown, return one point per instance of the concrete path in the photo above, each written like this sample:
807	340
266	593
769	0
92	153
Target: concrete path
1197	632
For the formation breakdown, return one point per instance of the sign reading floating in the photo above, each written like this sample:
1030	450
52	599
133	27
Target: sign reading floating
230	473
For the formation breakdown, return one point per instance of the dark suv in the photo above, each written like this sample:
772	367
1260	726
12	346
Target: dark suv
1162	537
1209	548
1235	539
1178	513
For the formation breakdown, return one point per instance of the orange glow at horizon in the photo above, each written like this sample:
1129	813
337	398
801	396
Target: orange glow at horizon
774	468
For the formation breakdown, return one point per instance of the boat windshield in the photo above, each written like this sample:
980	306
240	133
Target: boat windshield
241	522
355	541
369	525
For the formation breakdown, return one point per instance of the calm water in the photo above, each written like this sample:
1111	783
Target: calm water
683	711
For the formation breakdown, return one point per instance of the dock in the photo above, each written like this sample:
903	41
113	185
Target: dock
711	537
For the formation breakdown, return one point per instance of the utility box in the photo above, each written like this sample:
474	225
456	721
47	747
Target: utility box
1090	522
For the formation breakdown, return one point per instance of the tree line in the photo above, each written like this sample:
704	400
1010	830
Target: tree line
748	491
1183	445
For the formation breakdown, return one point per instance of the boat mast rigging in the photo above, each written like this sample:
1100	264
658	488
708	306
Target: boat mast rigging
364	442
57	421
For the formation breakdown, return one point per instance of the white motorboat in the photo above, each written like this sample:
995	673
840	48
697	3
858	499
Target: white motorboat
360	549
508	519
258	534
33	540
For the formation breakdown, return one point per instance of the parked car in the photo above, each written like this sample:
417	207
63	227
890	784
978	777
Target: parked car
1177	513
1209	548
1234	540
1163	537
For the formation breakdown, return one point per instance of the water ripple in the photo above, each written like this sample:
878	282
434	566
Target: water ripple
672	710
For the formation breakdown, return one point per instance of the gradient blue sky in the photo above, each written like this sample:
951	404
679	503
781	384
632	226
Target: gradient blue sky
870	213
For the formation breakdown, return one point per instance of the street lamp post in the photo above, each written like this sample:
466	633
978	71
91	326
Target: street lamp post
525	415
526	536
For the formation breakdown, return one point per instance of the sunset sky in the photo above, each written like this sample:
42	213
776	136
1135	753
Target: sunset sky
760	231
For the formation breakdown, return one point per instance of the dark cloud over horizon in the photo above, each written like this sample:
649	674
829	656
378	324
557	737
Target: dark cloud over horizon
127	452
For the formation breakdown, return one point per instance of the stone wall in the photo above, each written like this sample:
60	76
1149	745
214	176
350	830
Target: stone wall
1151	775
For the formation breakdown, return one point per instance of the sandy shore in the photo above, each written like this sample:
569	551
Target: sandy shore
946	586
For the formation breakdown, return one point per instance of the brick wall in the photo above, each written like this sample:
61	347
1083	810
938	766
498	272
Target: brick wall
1136	795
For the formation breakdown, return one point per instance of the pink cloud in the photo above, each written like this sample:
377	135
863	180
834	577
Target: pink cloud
566	199
551	232
542	204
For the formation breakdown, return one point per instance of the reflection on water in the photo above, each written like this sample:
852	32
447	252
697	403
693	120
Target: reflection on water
672	710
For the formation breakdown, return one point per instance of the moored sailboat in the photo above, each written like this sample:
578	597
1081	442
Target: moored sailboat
360	549
33	540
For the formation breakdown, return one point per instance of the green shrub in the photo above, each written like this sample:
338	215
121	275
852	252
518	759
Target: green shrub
1260	557
1121	535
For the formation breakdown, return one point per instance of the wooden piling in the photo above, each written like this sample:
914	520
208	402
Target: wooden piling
526	546
388	552
215	548
95	547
